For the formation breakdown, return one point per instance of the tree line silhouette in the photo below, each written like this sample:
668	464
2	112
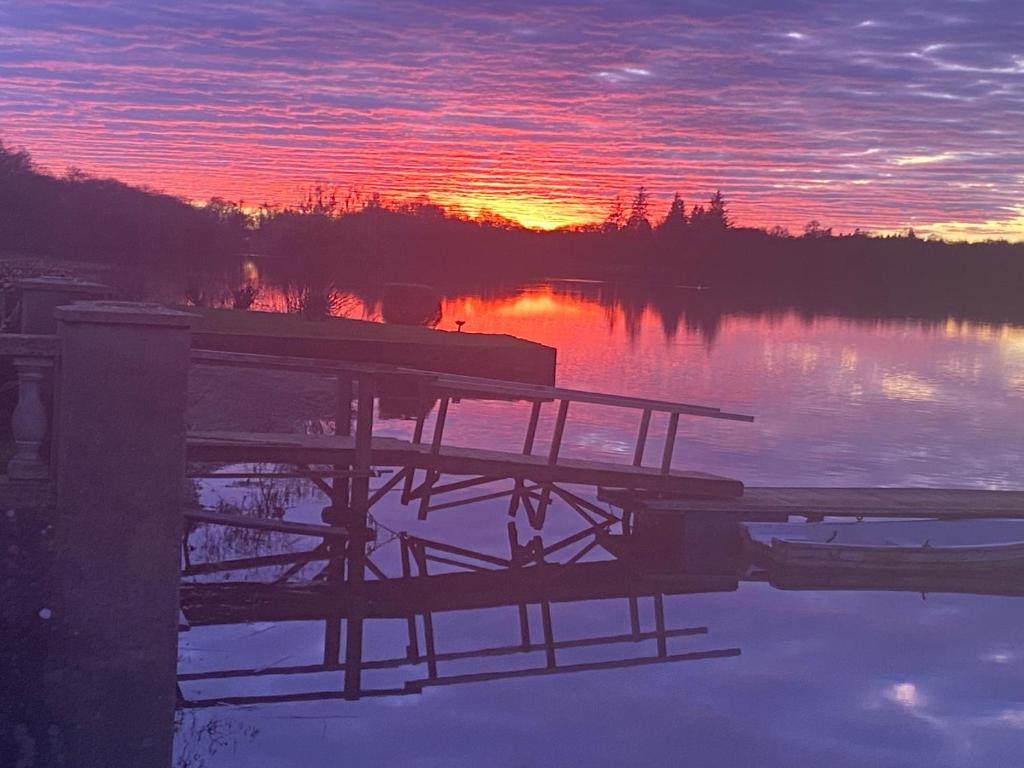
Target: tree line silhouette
81	217
332	238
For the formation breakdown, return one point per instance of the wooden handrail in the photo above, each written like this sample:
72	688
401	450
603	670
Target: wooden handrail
454	383
541	392
447	386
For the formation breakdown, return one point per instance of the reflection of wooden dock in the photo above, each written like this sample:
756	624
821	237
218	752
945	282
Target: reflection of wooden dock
778	503
231	603
418	598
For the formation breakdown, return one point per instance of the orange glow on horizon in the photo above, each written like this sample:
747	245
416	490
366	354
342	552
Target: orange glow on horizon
530	211
543	302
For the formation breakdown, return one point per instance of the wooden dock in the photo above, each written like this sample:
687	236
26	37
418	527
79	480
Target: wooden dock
352	586
452	460
536	478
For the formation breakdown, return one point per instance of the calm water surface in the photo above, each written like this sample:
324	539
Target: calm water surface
823	678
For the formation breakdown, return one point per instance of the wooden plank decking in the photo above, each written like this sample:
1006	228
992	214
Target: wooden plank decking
453	460
849	502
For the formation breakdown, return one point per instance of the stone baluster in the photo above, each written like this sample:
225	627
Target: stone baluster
29	423
37	304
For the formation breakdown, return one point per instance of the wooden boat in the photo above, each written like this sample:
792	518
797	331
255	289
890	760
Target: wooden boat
920	546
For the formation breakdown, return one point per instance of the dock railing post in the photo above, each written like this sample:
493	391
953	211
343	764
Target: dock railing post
358	510
531	436
659	624
120	474
641	438
553	451
549	635
670	443
342	427
337	514
435	449
410	471
412	649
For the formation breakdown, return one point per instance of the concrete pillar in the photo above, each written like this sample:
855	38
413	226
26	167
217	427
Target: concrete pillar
40	297
120	471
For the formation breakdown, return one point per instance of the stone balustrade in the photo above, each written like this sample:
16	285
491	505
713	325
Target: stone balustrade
34	357
34	349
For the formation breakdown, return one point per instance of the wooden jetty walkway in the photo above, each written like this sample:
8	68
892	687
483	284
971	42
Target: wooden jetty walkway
532	573
452	460
422	463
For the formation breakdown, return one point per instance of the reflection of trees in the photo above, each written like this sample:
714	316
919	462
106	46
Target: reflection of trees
198	737
331	241
673	307
263	498
700	311
334	250
316	299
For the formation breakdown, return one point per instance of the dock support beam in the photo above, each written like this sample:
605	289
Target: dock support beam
358	510
120	470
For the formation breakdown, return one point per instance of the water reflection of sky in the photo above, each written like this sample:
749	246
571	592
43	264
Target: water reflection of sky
843	679
836	401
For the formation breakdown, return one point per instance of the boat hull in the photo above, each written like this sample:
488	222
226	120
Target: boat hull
822	555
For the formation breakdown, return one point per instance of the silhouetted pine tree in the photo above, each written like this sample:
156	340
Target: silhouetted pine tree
638	212
675	220
717	217
616	217
697	215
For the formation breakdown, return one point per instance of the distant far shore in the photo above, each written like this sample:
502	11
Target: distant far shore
159	247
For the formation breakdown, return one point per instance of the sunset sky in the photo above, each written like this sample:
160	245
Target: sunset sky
879	115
